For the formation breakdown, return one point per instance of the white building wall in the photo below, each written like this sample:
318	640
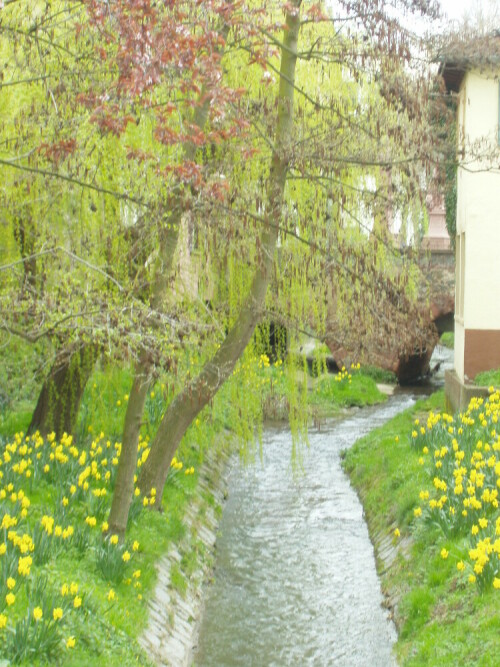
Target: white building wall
478	209
482	251
480	89
459	350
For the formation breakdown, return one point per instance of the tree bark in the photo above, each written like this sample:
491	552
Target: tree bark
61	394
124	485
186	405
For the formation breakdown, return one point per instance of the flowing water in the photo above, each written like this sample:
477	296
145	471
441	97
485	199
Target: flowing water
295	581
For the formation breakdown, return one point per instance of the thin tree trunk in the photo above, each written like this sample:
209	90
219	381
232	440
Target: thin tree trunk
61	394
124	487
186	405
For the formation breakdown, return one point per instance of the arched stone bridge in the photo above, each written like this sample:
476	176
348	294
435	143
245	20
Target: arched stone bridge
438	267
437	305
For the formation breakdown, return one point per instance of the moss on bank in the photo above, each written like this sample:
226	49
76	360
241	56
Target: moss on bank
441	619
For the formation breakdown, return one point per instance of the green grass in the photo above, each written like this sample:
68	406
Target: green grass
379	374
105	630
359	390
448	339
22	366
14	421
488	379
442	619
178	580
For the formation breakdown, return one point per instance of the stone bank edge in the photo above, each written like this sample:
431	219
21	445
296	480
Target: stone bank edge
174	616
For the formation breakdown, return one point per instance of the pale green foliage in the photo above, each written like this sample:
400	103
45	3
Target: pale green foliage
335	266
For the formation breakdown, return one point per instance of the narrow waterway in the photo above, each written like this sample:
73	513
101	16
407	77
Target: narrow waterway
295	580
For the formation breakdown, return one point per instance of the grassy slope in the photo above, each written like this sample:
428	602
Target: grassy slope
330	394
105	631
487	378
441	619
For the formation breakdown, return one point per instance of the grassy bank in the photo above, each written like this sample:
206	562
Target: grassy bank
69	596
438	548
448	340
329	394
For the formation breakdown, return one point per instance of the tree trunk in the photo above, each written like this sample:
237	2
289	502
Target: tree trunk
61	394
186	405
124	486
169	235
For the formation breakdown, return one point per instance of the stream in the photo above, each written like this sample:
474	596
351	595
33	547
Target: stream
295	580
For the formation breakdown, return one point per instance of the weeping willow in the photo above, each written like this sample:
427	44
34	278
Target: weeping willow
289	227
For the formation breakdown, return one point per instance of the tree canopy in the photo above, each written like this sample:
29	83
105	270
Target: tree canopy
174	173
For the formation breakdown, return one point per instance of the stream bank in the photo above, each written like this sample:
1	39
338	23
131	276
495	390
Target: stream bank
294	579
174	614
174	609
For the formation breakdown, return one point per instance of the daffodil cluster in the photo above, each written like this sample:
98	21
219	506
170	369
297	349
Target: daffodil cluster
462	457
344	376
76	484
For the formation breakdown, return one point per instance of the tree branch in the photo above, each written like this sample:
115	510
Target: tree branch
75	181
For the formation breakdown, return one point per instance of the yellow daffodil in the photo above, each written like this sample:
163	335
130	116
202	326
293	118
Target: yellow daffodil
24	565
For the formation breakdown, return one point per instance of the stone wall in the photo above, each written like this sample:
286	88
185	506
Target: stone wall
174	615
